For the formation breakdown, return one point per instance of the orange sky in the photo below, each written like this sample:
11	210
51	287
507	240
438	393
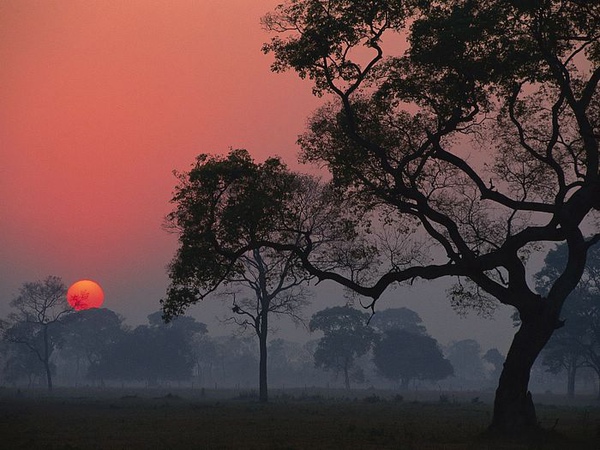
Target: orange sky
99	102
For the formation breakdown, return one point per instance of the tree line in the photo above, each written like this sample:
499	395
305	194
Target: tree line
94	346
391	348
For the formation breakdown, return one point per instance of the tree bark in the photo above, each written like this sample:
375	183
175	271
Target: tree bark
514	411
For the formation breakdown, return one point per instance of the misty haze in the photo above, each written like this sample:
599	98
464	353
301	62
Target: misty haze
300	224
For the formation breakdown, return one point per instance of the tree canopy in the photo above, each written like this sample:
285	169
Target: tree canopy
404	356
398	319
89	334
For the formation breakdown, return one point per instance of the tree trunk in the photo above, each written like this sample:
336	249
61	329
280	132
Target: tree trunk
514	411
48	374
347	376
263	393
47	358
571	372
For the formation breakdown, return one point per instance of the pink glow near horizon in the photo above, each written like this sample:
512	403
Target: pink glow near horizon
100	101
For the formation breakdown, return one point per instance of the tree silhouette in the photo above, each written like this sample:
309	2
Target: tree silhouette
404	356
276	289
346	337
40	307
224	203
480	139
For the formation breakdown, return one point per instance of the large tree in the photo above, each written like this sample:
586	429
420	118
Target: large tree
479	132
227	203
40	308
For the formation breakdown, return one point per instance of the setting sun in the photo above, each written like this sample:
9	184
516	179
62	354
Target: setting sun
85	294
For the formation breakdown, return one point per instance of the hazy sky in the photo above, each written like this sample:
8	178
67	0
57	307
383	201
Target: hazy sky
100	101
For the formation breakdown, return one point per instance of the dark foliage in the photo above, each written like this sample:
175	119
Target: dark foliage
404	356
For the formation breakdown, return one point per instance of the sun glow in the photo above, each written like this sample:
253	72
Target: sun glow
85	294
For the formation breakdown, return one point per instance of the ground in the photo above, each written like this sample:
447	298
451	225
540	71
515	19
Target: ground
295	419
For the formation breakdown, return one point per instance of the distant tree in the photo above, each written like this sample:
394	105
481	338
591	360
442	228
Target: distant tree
222	198
89	334
279	362
563	354
495	358
206	357
403	356
40	308
184	326
465	356
290	363
398	319
20	363
153	353
237	359
577	343
346	337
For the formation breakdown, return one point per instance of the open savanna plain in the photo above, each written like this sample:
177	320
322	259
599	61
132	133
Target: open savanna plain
295	419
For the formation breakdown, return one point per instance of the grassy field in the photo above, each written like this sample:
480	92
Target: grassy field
154	419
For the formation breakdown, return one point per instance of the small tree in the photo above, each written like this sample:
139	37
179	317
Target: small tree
563	353
404	356
40	307
346	337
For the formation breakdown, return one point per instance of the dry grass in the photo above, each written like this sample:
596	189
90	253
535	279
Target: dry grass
157	420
